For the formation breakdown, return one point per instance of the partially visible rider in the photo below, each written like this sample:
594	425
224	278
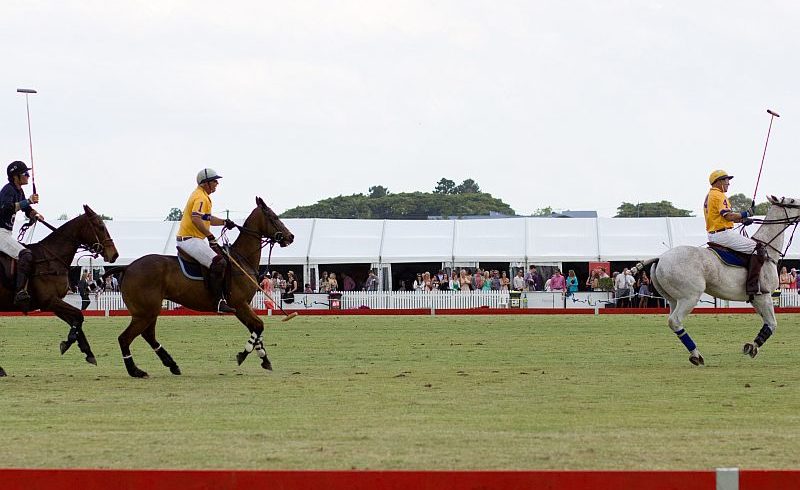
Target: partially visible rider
195	229
719	225
12	200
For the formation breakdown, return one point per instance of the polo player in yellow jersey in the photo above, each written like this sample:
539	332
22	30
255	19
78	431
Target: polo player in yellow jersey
195	229
719	225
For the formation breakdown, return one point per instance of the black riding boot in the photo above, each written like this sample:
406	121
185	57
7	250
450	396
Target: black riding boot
754	270
216	282
24	267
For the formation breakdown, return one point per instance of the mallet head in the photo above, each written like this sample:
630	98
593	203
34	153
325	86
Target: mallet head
26	91
773	113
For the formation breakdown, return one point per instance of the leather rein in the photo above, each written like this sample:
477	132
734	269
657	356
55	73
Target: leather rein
786	221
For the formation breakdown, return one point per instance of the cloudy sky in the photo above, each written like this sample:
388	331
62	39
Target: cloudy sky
574	105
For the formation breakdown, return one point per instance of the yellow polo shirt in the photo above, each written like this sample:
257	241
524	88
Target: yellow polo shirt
714	208
199	204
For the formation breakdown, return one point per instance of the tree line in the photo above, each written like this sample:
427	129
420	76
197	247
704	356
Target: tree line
451	200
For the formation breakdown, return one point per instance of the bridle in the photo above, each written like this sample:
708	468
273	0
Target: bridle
98	247
264	241
786	221
95	249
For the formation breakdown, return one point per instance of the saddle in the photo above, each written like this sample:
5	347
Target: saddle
730	257
191	268
194	271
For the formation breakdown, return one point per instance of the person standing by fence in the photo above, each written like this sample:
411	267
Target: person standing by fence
83	290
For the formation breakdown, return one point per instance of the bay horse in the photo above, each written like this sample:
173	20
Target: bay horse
49	281
683	273
151	279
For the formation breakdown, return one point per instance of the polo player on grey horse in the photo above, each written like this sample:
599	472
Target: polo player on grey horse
719	225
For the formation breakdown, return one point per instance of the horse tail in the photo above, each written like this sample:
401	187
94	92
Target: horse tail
640	266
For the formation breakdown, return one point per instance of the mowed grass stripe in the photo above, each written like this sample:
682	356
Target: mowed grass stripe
484	392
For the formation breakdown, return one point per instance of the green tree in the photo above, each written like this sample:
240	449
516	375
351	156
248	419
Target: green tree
405	205
469	186
174	214
445	186
377	191
63	217
740	202
545	211
650	210
106	218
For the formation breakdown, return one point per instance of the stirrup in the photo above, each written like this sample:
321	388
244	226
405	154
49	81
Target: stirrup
222	307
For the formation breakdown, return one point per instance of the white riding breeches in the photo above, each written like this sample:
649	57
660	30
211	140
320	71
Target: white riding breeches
733	240
9	245
198	249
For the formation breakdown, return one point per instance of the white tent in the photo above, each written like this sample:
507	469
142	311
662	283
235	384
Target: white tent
528	240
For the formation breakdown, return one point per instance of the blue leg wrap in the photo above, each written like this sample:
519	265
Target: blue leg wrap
763	335
686	339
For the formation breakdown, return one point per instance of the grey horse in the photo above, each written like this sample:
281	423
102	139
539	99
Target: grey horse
683	274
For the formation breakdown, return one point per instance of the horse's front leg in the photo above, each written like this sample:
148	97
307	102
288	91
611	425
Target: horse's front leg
764	306
248	317
74	318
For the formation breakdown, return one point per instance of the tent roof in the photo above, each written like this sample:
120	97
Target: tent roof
532	240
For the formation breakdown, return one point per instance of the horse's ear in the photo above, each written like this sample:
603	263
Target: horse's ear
773	199
259	202
88	210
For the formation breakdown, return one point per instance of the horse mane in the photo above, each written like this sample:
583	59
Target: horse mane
62	230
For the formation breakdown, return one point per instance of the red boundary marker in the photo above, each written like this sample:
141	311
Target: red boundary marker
97	479
85	479
427	311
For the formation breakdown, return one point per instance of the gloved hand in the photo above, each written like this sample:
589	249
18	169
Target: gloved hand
747	221
229	224
746	214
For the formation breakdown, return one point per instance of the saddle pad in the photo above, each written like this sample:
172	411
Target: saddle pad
192	270
728	258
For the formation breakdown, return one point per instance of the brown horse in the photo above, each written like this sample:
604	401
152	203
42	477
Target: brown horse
49	280
152	278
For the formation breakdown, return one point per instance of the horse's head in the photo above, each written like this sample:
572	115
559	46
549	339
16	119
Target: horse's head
95	237
268	225
783	207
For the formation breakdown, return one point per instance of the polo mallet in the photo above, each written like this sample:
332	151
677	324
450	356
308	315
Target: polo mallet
28	91
288	316
772	115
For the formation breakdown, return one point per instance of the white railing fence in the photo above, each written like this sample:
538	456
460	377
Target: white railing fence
110	301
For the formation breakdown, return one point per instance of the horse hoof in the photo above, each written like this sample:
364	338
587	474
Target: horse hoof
750	349
91	360
175	370
266	364
2	373
240	357
137	373
697	360
64	346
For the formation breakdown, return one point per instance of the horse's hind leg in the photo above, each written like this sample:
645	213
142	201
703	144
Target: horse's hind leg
138	325
763	305
149	335
679	309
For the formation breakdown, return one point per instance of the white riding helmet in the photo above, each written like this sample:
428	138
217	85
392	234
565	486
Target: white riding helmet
207	175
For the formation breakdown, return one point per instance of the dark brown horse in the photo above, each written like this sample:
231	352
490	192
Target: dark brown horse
49	281
152	278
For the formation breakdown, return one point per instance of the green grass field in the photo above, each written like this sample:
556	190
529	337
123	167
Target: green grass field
483	392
